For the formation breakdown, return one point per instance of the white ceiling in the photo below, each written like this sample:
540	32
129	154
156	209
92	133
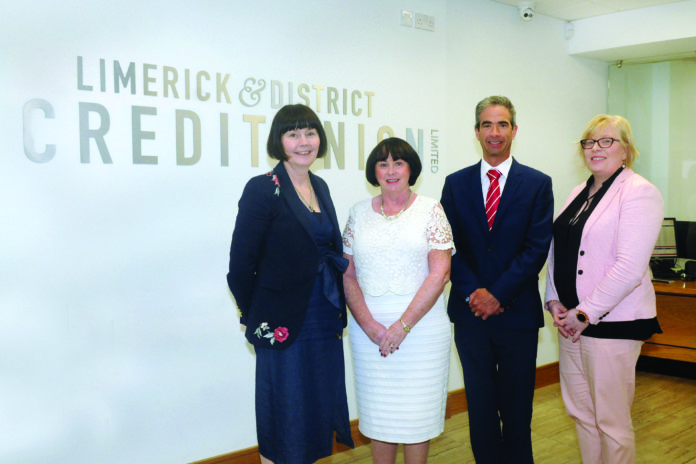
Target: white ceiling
570	10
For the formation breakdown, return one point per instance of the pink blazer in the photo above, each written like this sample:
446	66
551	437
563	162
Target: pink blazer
613	277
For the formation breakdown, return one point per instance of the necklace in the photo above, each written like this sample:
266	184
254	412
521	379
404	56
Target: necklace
585	206
308	204
391	218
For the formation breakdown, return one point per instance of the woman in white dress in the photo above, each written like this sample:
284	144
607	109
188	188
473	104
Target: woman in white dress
399	246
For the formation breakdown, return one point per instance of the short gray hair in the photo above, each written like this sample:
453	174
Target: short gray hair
495	100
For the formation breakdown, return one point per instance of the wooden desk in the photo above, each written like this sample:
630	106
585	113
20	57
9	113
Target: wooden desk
676	311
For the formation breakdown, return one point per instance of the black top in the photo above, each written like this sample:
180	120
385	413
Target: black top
567	234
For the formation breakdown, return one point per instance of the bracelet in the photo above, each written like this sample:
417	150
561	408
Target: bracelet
407	328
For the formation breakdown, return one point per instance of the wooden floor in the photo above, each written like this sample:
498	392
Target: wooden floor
664	418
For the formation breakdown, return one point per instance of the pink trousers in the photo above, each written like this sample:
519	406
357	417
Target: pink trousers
598	378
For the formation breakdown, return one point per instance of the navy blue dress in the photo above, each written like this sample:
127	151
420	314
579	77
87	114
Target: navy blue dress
301	390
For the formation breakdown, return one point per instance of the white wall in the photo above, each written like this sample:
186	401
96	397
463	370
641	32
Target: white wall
120	340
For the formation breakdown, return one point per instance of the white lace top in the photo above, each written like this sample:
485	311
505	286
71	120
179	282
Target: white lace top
392	255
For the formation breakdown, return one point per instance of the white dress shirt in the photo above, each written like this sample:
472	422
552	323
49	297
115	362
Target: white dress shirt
503	167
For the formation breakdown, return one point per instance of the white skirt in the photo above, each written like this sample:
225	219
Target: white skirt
402	398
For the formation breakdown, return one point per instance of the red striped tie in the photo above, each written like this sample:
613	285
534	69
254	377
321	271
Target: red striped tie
493	196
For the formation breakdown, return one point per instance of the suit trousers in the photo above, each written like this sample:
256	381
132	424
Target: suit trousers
598	378
499	374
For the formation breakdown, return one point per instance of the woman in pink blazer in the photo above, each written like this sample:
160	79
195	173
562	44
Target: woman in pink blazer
599	291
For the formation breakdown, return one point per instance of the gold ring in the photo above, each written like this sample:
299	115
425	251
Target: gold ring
391	345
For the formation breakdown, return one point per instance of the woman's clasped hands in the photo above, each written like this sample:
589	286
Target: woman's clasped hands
388	339
566	320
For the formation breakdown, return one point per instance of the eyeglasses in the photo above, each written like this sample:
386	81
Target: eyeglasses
603	143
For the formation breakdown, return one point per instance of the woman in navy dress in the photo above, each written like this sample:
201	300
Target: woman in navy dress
285	273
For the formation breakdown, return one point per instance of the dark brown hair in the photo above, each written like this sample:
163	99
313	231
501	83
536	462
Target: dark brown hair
399	149
291	117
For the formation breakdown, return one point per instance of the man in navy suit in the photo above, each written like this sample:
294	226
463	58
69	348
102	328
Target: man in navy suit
494	302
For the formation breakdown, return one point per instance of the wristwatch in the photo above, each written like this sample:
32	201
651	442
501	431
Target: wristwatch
582	317
407	328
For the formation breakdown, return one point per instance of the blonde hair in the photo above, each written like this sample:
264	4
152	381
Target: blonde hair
623	127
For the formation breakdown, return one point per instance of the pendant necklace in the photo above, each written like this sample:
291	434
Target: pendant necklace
391	218
308	204
585	206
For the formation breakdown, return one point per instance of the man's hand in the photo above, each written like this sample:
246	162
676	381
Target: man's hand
484	304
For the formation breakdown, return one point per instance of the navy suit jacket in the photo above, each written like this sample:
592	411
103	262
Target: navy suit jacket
274	259
507	259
